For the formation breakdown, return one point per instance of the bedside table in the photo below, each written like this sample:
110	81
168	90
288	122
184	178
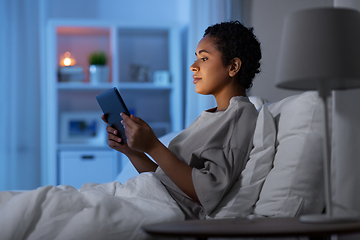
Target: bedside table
247	227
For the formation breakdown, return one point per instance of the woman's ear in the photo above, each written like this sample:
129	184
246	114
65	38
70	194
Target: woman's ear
234	67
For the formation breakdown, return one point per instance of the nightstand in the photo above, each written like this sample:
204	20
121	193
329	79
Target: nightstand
247	227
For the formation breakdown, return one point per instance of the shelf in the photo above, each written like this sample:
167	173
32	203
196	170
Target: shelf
83	86
121	86
87	31
135	53
143	86
81	42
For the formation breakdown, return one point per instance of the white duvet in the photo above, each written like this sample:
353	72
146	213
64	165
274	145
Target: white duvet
95	211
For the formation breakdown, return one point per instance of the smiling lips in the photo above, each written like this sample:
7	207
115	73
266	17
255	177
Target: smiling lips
196	79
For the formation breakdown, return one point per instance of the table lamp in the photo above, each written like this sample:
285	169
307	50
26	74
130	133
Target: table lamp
320	50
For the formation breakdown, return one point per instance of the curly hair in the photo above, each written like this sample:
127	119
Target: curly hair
233	40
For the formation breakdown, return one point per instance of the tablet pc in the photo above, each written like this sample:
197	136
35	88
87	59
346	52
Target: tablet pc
112	105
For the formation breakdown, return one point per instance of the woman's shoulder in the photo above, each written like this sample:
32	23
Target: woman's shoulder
242	124
242	106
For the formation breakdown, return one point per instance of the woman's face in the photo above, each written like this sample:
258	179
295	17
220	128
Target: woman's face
210	74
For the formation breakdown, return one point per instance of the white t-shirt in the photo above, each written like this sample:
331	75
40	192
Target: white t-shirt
217	146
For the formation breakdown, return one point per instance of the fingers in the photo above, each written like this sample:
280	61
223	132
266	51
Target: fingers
113	140
131	128
113	144
138	133
138	120
111	130
132	121
104	118
127	121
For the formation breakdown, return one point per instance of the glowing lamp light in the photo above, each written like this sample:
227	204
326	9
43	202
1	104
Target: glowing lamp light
67	60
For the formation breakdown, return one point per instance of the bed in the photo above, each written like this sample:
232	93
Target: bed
283	178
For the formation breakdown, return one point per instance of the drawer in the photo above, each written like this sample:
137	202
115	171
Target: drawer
79	167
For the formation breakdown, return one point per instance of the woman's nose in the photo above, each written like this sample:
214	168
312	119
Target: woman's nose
194	67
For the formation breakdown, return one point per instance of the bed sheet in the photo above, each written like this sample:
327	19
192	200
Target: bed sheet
95	211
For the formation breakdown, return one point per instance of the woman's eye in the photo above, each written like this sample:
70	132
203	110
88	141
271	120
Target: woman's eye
204	59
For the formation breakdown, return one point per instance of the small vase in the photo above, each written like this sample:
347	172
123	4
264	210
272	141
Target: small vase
99	74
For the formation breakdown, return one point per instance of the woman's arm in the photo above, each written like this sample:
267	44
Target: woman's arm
179	172
140	137
140	161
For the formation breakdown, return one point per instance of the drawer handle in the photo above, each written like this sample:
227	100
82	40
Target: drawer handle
87	157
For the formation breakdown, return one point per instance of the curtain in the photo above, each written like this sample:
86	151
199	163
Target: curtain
204	13
19	95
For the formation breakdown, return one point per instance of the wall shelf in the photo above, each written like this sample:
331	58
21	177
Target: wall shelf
105	86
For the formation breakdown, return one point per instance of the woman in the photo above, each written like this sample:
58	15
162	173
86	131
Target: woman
201	164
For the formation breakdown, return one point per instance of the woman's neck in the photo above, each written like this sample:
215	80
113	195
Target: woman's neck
223	100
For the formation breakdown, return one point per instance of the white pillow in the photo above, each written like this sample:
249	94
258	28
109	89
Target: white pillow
295	184
241	199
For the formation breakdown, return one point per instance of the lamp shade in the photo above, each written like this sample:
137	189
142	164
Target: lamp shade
320	47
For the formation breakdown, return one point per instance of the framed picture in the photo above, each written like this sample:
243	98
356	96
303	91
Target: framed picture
82	128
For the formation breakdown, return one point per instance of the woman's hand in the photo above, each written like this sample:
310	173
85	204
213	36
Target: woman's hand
141	162
114	141
139	135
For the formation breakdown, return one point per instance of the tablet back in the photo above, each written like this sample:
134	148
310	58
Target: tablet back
112	105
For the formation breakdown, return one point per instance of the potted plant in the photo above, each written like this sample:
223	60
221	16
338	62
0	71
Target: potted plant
99	71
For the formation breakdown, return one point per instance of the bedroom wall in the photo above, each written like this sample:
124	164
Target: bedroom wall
267	18
345	150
